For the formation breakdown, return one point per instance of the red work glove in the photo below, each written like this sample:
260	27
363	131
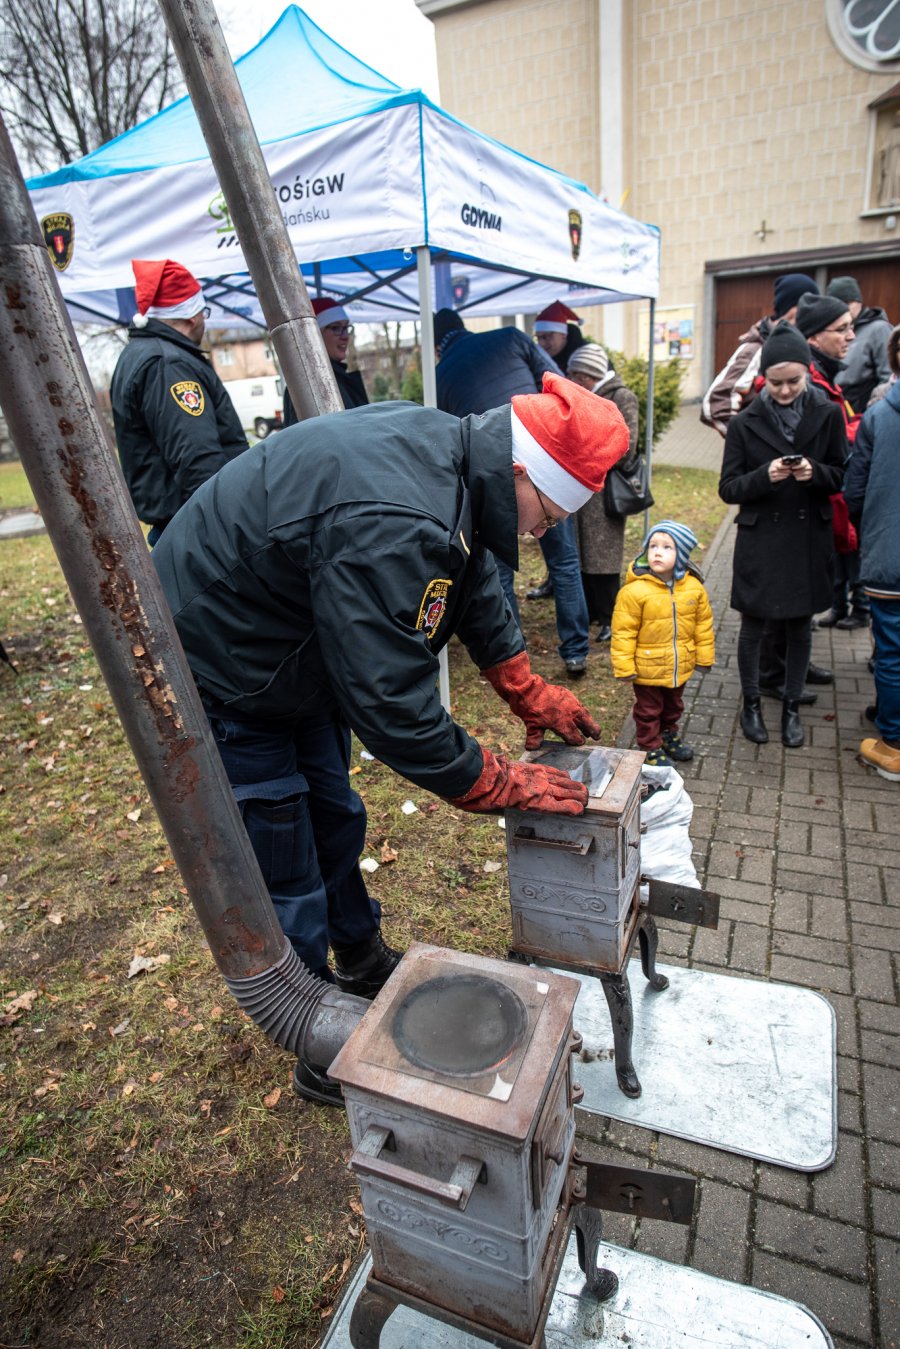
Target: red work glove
526	786
542	706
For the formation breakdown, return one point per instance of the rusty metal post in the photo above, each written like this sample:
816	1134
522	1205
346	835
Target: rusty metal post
236	156
47	399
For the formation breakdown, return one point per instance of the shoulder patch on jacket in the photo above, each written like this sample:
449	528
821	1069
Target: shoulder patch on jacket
433	606
189	396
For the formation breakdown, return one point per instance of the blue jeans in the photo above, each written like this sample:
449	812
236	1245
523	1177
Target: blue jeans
886	634
306	826
564	565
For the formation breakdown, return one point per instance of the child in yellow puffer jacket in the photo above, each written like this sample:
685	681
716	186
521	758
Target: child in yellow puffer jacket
662	630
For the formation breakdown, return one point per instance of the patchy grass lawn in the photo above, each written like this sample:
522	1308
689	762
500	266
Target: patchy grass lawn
15	492
159	1182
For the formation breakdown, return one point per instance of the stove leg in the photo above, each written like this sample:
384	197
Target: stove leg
648	936
370	1313
588	1223
618	999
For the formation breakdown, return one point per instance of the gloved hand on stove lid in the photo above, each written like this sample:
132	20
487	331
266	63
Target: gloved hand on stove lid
542	706
525	786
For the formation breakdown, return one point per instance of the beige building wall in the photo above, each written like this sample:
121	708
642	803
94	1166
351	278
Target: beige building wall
526	72
737	120
742	116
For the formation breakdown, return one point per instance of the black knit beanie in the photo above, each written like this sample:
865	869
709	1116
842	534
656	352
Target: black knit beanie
815	313
784	343
446	321
788	290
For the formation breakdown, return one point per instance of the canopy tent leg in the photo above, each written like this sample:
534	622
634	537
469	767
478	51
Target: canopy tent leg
429	389
649	430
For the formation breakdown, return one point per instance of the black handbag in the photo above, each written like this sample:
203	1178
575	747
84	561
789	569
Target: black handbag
627	488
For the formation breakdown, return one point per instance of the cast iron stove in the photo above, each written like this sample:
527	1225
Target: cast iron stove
574	886
459	1094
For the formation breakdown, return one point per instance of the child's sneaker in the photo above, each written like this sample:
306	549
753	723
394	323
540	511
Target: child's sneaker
657	758
676	748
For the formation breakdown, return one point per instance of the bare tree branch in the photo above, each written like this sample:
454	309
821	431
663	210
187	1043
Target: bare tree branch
77	73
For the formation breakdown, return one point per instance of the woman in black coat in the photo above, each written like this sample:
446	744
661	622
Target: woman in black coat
784	458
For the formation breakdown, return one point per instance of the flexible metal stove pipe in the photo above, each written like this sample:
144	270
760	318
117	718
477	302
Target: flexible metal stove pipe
48	401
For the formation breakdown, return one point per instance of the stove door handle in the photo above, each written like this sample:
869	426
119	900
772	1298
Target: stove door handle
456	1191
581	845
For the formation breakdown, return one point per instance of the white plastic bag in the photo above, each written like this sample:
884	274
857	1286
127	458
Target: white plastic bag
666	850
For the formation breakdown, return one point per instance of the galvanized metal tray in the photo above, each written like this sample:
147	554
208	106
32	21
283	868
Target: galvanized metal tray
657	1306
737	1064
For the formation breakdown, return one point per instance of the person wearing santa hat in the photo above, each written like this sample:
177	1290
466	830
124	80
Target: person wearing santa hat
336	330
175	424
557	330
314	582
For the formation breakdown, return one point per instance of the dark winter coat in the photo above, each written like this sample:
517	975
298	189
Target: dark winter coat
872	492
823	374
175	424
784	549
350	387
323	571
478	371
866	362
600	537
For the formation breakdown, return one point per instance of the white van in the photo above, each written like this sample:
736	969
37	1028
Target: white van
258	403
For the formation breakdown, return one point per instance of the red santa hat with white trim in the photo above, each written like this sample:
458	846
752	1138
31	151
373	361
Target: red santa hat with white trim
328	311
164	290
555	318
567	439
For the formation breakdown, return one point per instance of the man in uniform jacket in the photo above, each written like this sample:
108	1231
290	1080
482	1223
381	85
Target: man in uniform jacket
477	371
314	582
175	424
335	327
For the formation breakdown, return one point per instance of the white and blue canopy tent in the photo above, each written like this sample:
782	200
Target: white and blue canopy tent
377	185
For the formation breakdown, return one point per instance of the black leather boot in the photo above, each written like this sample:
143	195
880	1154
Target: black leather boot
752	723
365	968
791	729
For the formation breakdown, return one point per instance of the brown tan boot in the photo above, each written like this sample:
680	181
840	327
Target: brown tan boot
884	758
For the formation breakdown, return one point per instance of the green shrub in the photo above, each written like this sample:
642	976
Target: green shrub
667	381
381	389
412	388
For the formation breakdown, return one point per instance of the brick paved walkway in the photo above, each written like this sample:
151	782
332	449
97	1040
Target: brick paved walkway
804	847
687	443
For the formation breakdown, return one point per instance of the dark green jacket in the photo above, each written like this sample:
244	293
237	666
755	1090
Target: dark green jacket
324	569
175	424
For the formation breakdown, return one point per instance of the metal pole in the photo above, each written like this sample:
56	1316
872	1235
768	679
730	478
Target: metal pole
47	399
429	395
649	416
236	156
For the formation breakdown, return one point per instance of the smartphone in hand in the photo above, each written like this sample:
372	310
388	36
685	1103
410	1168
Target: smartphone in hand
792	460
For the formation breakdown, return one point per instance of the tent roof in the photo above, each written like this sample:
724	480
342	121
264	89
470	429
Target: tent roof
365	172
334	85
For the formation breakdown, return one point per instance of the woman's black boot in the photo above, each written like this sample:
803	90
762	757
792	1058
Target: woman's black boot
752	724
791	729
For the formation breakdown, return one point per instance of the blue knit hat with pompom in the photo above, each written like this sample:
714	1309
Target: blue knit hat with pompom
684	539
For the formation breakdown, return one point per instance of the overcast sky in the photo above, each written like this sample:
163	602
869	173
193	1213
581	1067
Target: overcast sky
392	36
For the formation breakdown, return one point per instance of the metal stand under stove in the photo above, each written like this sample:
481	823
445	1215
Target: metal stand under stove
574	884
460	1100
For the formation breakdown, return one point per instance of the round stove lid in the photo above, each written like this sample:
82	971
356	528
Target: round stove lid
462	1025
